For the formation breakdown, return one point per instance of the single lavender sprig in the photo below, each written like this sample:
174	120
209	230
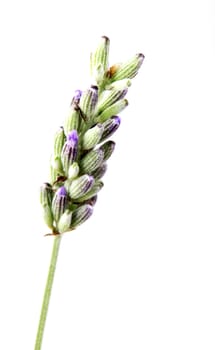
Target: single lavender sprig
80	153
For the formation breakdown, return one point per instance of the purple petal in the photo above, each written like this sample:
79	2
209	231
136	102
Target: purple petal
61	191
72	136
77	96
116	119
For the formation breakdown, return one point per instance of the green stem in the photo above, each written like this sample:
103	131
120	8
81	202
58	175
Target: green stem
47	293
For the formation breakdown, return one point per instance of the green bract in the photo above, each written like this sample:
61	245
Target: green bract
81	147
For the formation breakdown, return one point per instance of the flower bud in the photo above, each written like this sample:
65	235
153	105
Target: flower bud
109	97
99	172
48	216
128	69
59	203
108	148
56	164
116	108
99	58
59	141
73	171
88	101
53	174
72	122
70	149
110	126
65	221
81	214
46	194
91	161
94	190
80	186
76	97
92	137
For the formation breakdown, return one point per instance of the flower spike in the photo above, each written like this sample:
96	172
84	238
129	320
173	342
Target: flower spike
82	146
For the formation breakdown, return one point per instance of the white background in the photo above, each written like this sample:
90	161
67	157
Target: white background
140	273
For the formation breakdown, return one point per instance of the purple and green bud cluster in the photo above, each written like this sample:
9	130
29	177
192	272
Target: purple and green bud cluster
82	146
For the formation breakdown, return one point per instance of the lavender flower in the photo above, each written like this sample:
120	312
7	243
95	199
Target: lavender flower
59	203
59	141
88	102
127	70
109	97
80	186
99	61
100	171
72	121
110	126
92	160
107	148
92	137
70	149
92	192
46	194
65	221
76	97
73	171
115	108
81	149
81	214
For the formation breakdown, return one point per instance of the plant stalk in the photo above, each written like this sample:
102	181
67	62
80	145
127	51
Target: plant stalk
47	292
